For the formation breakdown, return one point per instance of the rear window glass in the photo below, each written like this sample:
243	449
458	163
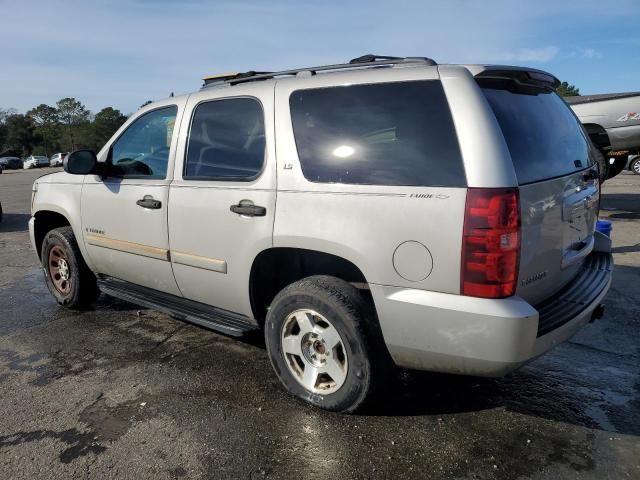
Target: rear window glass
544	137
378	134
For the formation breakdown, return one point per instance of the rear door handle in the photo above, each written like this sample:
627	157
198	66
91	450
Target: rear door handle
248	209
149	202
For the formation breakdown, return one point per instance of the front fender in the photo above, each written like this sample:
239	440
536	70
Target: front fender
63	199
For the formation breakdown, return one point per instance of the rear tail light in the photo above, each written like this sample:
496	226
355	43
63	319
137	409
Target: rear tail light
490	243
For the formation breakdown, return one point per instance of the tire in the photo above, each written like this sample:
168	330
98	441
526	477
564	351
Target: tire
60	249
331	306
634	166
617	166
603	164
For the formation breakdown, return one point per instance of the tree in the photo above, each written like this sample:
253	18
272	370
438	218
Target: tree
4	114
104	125
566	90
72	113
20	135
45	119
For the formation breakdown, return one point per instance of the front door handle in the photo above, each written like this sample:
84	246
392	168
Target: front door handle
248	209
149	202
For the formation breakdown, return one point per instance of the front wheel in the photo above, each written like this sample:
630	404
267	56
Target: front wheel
68	277
324	344
618	165
603	165
634	166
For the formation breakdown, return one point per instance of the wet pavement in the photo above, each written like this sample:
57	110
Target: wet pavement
130	393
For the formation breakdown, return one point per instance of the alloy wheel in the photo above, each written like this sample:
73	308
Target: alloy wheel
314	351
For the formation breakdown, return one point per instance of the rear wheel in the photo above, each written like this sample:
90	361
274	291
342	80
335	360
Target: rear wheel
324	344
634	166
68	277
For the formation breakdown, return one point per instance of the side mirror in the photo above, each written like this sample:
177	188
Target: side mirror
80	162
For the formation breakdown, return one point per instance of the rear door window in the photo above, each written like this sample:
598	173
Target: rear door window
226	141
544	137
397	133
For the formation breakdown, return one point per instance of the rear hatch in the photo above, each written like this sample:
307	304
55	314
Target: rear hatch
559	190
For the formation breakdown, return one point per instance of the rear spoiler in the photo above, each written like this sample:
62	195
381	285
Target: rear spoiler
521	75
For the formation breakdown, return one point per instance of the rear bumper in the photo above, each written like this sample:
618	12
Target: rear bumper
484	337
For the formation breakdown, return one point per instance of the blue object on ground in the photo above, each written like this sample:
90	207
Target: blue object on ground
605	227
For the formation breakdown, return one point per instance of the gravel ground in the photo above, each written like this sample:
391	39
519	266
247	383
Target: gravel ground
129	393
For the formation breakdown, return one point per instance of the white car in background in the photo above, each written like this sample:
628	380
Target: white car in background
58	158
36	161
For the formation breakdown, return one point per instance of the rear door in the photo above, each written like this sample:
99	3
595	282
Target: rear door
222	200
559	189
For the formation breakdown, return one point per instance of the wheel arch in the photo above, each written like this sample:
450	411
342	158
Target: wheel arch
598	135
46	219
275	268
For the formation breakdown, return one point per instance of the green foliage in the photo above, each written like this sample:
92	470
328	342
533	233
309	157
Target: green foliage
105	123
67	126
566	90
47	128
73	115
20	135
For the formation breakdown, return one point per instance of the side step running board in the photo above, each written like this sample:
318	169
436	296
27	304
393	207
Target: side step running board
206	316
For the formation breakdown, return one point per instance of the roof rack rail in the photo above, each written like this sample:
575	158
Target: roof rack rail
368	58
359	62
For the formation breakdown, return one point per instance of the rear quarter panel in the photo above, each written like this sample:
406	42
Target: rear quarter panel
366	224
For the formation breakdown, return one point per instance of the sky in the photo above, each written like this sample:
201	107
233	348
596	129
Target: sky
121	53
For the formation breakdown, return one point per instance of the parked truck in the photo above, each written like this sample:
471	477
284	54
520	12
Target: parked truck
612	121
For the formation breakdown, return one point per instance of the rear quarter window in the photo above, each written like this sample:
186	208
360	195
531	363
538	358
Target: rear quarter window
377	134
544	137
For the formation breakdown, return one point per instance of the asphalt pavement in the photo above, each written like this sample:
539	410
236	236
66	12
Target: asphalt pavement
124	392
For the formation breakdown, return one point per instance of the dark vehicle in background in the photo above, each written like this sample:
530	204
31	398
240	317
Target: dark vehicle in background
612	121
11	163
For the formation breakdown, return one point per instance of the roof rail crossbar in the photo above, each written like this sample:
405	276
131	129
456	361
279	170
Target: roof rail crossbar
384	61
372	58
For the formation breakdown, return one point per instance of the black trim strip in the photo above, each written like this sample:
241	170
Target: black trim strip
206	316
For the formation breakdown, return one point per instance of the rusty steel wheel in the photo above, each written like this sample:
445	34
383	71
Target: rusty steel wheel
68	277
59	271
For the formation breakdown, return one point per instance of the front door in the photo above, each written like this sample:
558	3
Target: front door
124	213
223	196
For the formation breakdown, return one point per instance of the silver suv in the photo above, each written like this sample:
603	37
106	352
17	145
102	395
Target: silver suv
389	211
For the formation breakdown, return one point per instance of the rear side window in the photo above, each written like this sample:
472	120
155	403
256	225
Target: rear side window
544	137
379	134
226	140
